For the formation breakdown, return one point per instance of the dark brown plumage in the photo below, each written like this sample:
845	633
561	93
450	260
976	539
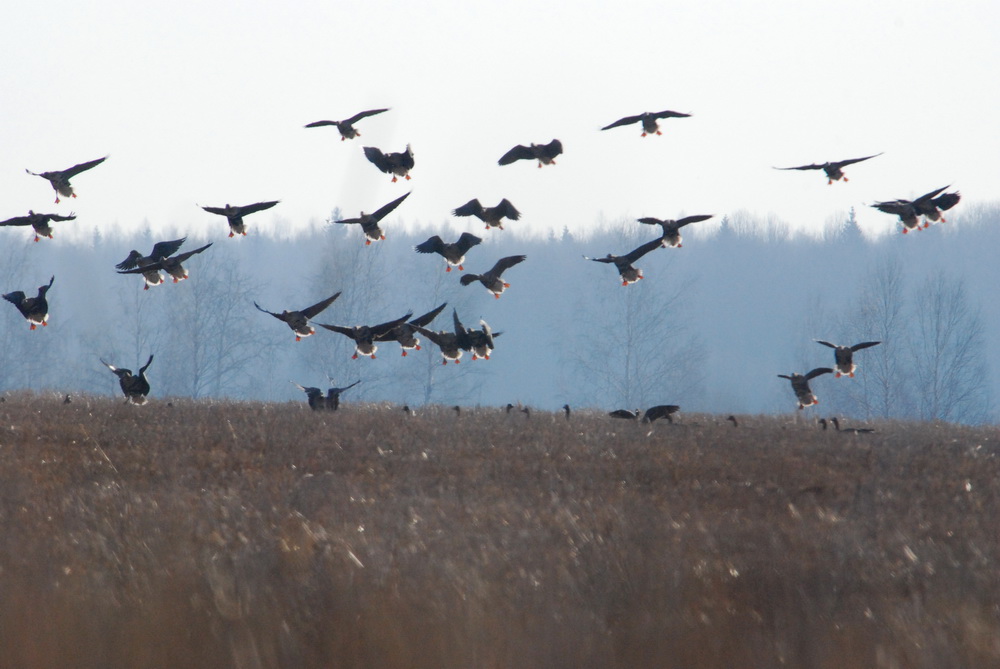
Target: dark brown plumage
628	272
648	120
800	385
404	332
39	222
34	309
365	336
60	178
453	253
491	216
930	205
844	355
671	228
370	222
492	278
234	214
136	260
396	164
317	402
298	321
545	154
135	388
660	411
346	127
834	169
171	265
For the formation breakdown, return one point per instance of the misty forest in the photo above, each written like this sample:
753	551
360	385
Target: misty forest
709	328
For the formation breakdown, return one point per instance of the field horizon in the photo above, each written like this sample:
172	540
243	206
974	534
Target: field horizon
252	534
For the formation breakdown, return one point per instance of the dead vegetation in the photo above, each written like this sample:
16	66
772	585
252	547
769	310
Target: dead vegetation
257	535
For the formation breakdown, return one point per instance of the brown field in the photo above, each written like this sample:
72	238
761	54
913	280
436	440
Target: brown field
256	535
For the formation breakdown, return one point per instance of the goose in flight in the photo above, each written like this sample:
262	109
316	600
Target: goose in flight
60	178
34	309
492	278
930	205
136	260
39	222
135	388
671	229
171	265
298	320
234	214
491	216
545	154
404	332
628	272
346	127
365	336
844	356
800	385
369	222
396	164
834	169
648	120
319	403
453	253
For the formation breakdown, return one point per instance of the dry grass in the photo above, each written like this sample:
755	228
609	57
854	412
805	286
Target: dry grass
255	535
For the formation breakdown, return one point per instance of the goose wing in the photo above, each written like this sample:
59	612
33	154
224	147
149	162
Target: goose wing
627	120
635	254
519	152
470	208
310	312
360	115
82	167
384	210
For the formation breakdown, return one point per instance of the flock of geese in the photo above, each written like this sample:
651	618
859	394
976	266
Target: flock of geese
164	257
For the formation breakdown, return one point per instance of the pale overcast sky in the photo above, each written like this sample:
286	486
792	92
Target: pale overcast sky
205	103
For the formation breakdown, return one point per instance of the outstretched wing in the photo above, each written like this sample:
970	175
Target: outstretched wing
814	166
508	210
470	208
851	161
867	344
947	201
666	113
149	362
930	196
378	159
257	206
433	245
165	249
628	120
607	260
360	115
519	152
552	149
260	308
825	343
82	167
383	329
384	210
17	220
216	210
184	256
692	219
57	217
817	372
635	254
422	321
466	241
310	312
506	263
649	220
317	124
15	298
344	330
897	207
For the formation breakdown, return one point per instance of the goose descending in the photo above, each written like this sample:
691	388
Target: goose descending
492	278
34	309
172	265
648	121
365	336
319	403
39	222
136	260
450	343
929	205
234	214
396	164
404	332
800	385
833	169
545	154
671	228
60	178
298	321
346	127
369	222
453	253
844	356
135	388
628	272
491	216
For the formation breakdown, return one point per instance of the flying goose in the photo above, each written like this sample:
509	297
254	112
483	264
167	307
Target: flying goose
396	164
404	332
660	411
628	272
365	336
319	403
491	279
477	342
135	388
491	216
844	356
450	343
800	385
298	321
40	222
171	265
928	205
648	120
671	229
346	127
60	178
545	154
136	260
453	253
369	222
34	309
833	169
234	214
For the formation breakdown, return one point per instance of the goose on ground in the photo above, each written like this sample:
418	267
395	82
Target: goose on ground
492	278
136	260
545	154
135	388
369	222
453	253
834	169
365	336
346	127
660	411
234	214
298	320
60	178
850	430
39	222
34	309
625	413
628	272
566	410
844	356
396	164
671	229
800	385
648	120
172	265
404	332
491	216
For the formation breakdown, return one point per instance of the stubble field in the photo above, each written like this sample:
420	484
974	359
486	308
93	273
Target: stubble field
267	535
